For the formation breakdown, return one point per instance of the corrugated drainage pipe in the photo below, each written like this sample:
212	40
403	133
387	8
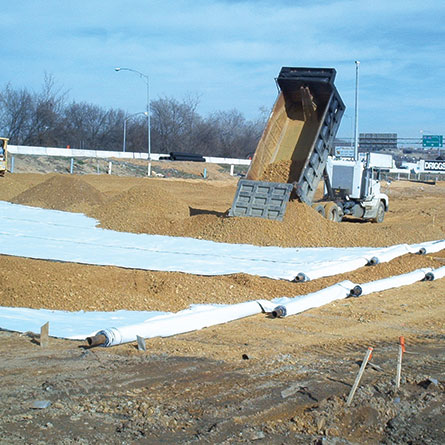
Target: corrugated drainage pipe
356	291
433	247
395	281
373	261
429	276
97	340
301	277
435	274
279	311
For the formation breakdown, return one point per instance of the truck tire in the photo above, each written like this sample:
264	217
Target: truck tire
380	213
319	209
332	212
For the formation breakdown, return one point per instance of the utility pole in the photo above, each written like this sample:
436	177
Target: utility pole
357	64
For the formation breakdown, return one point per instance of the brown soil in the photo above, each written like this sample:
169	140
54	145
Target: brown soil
301	227
61	192
198	209
74	287
279	171
172	207
196	387
143	208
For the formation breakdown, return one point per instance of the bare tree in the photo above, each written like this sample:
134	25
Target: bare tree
16	109
234	136
45	119
91	127
173	124
47	109
32	118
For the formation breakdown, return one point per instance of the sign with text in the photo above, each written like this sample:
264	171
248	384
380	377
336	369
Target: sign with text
434	166
344	152
432	141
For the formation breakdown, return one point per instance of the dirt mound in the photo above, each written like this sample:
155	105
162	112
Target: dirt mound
301	227
159	212
145	208
151	209
197	208
312	229
61	192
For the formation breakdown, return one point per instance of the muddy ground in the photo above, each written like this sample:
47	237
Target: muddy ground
257	380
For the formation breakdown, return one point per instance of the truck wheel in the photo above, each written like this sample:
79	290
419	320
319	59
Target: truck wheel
332	212
319	209
380	213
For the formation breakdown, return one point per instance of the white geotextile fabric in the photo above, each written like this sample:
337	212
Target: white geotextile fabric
438	273
342	290
396	281
72	237
431	247
71	325
193	319
146	324
80	325
316	299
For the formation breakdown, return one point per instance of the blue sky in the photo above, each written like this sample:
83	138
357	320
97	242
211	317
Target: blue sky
229	52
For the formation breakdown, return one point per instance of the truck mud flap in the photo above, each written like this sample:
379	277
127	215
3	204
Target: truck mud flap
261	199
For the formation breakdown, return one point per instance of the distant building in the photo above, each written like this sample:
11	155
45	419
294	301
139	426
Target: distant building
377	141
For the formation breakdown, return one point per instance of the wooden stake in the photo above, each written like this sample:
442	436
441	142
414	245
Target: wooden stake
359	375
399	361
44	335
141	343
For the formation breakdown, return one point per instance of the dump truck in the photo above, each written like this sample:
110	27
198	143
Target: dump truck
298	141
3	155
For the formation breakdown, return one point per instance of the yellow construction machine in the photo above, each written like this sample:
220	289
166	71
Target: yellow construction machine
3	155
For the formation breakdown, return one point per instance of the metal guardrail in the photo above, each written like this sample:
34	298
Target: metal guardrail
416	177
74	153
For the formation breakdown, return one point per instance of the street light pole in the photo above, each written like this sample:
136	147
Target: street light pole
125	134
357	64
145	78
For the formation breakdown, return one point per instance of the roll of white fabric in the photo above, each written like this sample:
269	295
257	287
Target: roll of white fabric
428	247
316	299
185	321
389	253
396	281
438	273
435	246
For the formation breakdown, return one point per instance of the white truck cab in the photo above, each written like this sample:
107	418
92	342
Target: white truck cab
356	189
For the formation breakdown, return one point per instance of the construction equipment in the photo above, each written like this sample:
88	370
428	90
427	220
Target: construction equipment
300	135
3	155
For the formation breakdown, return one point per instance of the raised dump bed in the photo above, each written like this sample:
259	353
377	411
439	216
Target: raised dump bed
301	129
